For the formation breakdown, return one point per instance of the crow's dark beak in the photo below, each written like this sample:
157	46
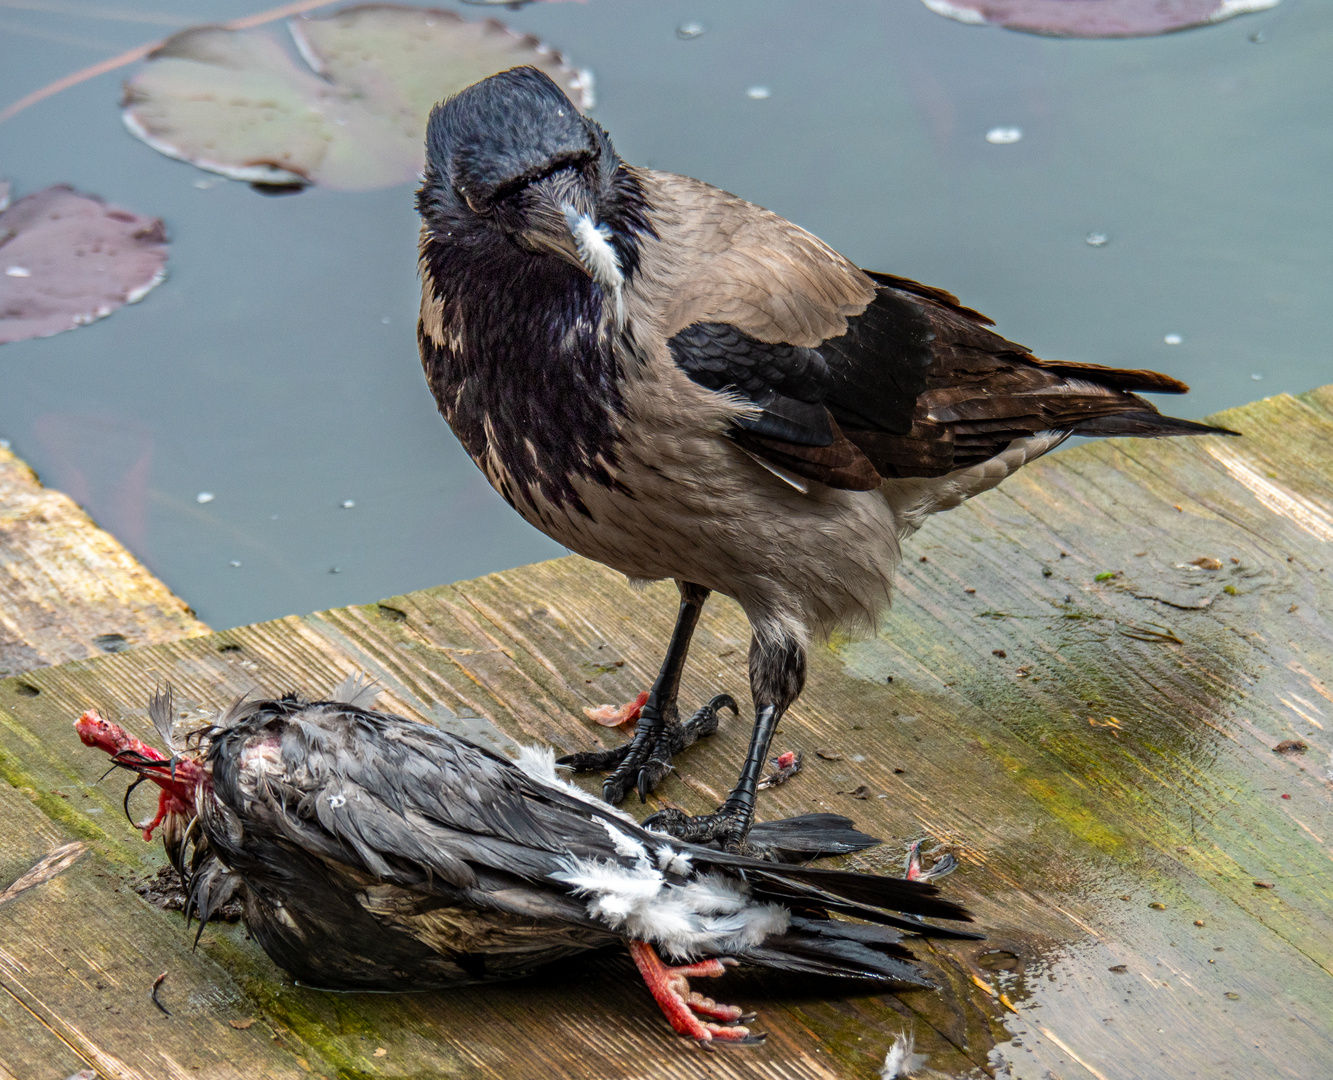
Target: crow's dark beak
562	221
547	228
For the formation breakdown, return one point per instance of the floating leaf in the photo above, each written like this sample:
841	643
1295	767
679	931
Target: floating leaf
350	113
68	259
1096	18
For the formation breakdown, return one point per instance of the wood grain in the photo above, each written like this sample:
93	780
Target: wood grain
1110	784
67	588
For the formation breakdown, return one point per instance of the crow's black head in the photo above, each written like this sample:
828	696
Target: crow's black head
511	158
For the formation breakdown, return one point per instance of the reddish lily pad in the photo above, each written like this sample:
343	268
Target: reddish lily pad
345	108
1096	18
68	259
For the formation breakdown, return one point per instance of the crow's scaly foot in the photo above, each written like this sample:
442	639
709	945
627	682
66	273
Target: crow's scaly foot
642	762
727	827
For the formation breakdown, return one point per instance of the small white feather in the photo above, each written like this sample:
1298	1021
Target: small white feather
626	845
710	915
900	1061
539	763
357	689
671	861
599	258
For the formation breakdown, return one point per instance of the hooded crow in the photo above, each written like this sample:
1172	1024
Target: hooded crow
371	852
680	384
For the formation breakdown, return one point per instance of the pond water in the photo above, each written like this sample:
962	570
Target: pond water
277	367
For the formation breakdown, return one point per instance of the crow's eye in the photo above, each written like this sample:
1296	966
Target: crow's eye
475	206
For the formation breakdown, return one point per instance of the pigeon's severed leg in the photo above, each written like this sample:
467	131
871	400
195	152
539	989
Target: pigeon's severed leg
642	762
945	864
682	1006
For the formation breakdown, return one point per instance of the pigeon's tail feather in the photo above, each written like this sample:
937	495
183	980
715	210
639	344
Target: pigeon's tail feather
849	891
809	836
845	950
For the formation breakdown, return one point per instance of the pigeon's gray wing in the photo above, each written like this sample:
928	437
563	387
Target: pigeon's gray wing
400	800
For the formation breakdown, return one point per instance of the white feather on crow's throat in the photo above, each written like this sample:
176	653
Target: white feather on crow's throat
682	385
373	852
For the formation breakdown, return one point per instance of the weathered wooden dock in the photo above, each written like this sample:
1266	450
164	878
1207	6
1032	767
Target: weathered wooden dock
1102	686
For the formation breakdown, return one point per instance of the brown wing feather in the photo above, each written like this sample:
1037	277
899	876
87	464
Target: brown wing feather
917	385
743	265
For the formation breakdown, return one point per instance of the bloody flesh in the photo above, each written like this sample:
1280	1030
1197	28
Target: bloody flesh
177	778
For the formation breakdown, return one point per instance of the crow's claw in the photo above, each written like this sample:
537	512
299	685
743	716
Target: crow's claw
594	760
643	762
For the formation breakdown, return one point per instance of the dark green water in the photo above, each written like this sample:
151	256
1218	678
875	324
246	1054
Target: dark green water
277	367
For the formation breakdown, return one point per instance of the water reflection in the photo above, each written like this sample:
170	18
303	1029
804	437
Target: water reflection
264	371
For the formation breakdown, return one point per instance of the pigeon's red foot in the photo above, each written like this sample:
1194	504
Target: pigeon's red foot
670	988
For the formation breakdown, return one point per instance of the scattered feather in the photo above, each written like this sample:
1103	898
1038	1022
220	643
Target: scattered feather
357	689
900	1061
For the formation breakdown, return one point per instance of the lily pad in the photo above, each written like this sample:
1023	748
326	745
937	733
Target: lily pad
68	259
1096	18
343	103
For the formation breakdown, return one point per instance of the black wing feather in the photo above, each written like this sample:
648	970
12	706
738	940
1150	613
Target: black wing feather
917	386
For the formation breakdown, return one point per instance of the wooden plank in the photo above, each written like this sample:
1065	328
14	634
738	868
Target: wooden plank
67	588
1109	784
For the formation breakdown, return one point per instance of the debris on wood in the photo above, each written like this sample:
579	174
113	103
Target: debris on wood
785	766
1206	562
828	755
1265	885
1291	746
858	792
914	871
618	715
163	889
242	1025
157	985
1150	632
61	859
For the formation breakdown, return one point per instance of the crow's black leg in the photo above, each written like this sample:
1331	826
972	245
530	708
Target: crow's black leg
646	759
777	676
